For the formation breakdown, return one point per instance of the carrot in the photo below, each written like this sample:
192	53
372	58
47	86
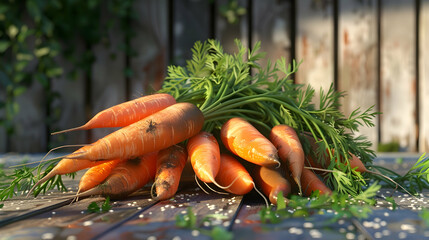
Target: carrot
271	182
354	161
233	174
67	165
170	163
126	178
290	149
311	182
244	140
160	130
126	113
96	175
204	153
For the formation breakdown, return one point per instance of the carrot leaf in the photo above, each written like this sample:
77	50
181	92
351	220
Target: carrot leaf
227	85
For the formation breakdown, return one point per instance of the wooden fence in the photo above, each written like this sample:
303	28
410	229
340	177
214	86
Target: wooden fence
375	50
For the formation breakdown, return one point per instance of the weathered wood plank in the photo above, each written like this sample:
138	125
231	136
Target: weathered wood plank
314	44
424	77
107	74
73	220
226	32
357	70
272	27
71	105
30	128
159	221
398	81
150	45
3	134
191	24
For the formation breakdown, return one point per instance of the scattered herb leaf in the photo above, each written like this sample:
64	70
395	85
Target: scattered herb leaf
189	221
93	207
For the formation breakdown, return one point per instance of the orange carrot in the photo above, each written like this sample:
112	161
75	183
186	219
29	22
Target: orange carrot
204	153
126	113
311	182
244	140
96	175
170	164
68	165
271	182
126	178
233	174
354	161
290	149
160	130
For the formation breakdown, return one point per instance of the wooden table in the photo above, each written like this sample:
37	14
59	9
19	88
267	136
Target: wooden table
53	216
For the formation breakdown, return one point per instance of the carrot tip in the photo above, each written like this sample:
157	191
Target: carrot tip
68	130
298	182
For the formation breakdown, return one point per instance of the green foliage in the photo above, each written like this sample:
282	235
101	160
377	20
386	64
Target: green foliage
189	221
226	85
342	206
93	207
424	215
415	180
388	147
23	178
35	34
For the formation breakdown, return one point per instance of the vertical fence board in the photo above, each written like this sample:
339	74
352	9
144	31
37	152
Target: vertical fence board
398	80
191	23
424	77
71	105
357	49
3	134
150	45
272	26
108	80
30	128
226	32
314	43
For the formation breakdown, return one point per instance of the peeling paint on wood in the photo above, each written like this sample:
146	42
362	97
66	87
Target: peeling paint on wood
398	74
358	59
314	42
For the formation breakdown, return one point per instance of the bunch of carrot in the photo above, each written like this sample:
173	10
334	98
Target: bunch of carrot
238	131
149	149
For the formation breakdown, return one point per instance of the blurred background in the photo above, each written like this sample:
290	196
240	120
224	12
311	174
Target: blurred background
62	61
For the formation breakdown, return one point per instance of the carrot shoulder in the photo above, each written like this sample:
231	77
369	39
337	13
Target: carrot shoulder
244	140
170	164
290	149
160	130
126	113
126	178
204	153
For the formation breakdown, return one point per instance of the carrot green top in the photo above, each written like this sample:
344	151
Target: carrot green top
226	85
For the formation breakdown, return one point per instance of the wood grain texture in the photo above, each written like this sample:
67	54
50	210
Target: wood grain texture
424	77
227	32
30	122
314	43
191	23
398	80
70	104
107	75
357	50
271	26
150	43
159	221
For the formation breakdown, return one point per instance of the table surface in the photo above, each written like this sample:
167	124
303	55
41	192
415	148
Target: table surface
54	216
